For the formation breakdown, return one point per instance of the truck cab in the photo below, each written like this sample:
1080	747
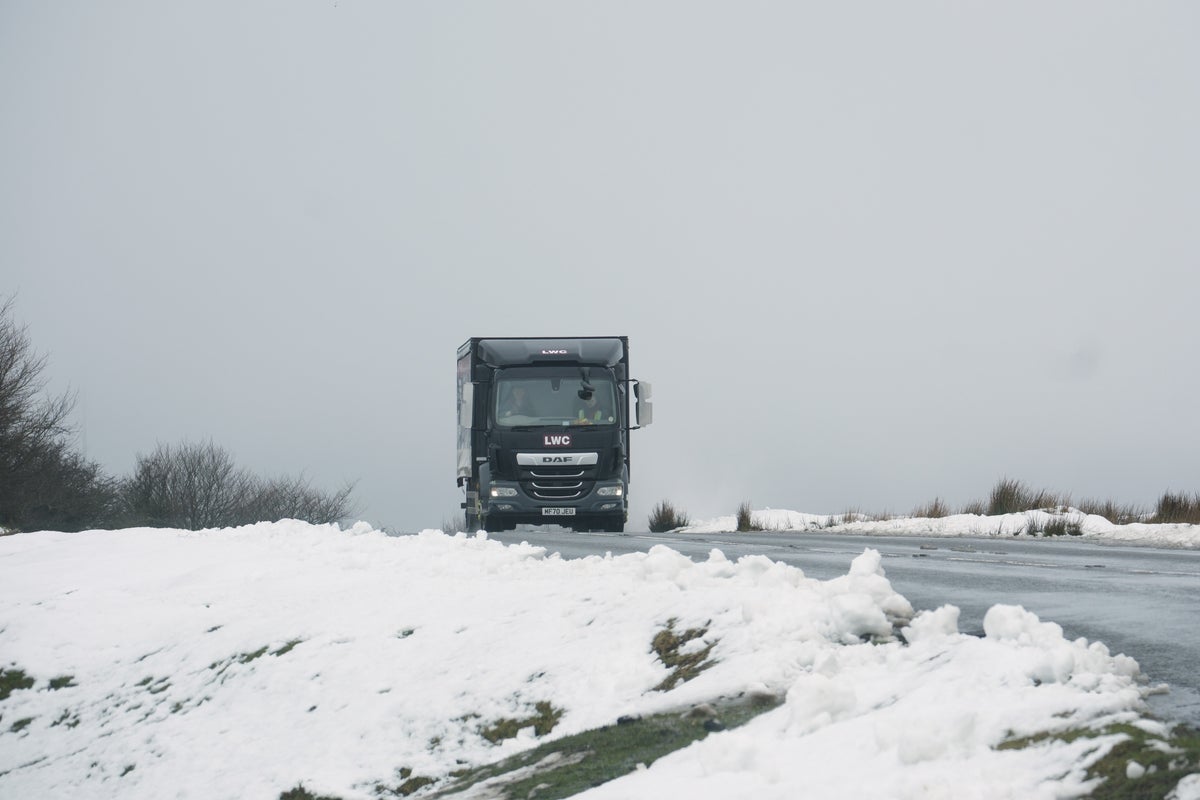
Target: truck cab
543	431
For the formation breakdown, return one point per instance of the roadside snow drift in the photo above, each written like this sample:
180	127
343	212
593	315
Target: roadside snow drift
241	663
1071	521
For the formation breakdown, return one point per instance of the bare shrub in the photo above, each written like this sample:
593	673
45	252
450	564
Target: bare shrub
665	517
1012	496
976	507
194	486
1177	508
933	510
288	497
1112	511
745	519
454	525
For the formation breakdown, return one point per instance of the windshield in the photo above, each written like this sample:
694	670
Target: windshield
528	398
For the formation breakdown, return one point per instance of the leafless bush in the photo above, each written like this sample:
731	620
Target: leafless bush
976	507
1012	496
196	486
745	519
665	517
1112	511
1178	507
933	510
293	498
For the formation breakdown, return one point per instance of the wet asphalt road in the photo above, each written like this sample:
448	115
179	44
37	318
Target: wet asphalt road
1140	601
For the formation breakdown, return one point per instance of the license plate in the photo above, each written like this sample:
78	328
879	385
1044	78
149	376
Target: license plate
558	512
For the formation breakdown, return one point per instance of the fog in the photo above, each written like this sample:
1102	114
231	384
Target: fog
867	254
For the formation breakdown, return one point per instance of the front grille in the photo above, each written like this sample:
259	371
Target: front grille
557	483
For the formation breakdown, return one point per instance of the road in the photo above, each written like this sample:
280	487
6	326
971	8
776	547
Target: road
1143	602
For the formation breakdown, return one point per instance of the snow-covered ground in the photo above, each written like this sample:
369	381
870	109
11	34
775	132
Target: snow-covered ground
242	663
1030	523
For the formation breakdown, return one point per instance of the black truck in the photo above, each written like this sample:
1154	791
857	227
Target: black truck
543	431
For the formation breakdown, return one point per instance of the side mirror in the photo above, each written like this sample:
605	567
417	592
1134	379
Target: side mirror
645	408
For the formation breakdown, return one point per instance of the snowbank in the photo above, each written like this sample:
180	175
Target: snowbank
1029	523
241	663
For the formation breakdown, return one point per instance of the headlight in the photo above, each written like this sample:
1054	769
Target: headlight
503	491
610	491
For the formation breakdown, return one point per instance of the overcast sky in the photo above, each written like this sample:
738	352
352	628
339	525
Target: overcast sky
867	253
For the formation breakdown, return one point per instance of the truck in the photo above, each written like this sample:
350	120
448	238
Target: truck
543	431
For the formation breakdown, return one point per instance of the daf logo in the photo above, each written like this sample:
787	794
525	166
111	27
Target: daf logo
556	440
554	352
543	458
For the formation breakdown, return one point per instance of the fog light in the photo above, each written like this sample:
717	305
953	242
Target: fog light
503	507
608	506
610	491
503	491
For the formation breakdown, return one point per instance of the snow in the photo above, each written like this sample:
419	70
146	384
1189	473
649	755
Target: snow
244	662
1090	526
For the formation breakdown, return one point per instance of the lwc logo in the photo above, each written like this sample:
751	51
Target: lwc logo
554	352
556	440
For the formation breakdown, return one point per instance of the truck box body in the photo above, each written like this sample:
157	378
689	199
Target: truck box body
543	431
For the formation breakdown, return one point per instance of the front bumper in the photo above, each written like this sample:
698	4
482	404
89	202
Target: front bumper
511	501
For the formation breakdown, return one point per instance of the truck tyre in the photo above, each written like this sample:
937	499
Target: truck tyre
496	525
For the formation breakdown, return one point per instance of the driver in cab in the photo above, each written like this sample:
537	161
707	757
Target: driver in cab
591	411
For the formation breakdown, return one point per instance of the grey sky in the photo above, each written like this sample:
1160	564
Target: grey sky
867	253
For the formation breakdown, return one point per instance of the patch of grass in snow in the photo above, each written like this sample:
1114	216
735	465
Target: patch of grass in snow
62	682
684	662
246	658
1060	526
154	686
12	680
300	793
565	767
287	647
407	783
20	725
570	765
68	718
1140	767
542	722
